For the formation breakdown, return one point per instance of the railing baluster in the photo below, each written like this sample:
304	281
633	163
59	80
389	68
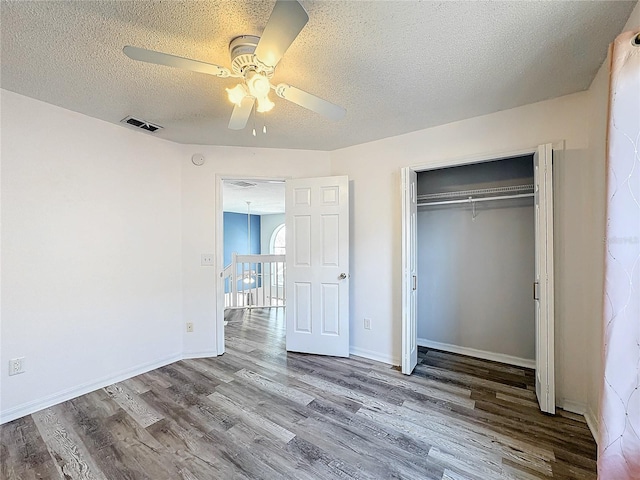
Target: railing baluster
234	280
264	275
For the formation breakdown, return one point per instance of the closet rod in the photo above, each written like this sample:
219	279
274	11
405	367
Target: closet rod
473	200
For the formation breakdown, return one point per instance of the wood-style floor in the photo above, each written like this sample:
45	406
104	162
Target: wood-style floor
258	412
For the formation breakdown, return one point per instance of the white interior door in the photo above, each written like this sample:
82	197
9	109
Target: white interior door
317	262
543	286
409	270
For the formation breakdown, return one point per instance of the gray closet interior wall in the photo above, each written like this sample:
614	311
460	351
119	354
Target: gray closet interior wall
476	275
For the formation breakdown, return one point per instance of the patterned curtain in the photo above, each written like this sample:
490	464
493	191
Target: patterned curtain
619	455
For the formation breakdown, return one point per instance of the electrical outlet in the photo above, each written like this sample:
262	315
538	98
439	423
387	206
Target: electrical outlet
16	366
206	259
189	327
367	324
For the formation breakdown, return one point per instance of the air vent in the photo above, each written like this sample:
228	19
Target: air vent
242	184
136	122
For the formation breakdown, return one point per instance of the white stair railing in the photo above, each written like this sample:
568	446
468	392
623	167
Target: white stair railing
254	281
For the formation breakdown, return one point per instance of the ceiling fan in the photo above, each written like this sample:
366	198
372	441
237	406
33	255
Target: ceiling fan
254	60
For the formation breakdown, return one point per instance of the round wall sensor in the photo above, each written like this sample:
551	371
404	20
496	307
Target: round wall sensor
197	159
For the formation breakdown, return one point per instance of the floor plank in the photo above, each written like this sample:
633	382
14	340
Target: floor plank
258	412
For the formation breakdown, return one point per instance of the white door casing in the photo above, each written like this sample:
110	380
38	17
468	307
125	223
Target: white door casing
317	263
543	283
409	271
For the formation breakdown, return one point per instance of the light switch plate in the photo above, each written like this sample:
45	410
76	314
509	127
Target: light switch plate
206	259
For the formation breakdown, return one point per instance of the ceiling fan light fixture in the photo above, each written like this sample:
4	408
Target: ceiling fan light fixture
237	94
259	85
253	60
264	105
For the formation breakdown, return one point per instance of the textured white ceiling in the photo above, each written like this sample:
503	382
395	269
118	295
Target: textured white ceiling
266	197
396	66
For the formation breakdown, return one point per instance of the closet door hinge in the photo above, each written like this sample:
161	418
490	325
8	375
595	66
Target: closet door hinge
415	282
536	293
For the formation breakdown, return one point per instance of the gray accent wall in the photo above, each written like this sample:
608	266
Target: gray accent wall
497	173
475	276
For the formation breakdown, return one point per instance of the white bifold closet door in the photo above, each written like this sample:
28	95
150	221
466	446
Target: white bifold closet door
543	285
410	270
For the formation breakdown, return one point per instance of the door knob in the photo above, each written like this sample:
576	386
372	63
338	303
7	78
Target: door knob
342	276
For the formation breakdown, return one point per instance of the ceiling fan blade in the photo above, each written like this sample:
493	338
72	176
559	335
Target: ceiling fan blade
241	114
287	20
313	103
160	58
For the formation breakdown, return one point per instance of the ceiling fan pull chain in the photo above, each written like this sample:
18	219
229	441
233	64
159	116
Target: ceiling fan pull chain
254	120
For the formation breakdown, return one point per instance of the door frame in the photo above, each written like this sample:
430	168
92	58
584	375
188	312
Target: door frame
558	149
219	246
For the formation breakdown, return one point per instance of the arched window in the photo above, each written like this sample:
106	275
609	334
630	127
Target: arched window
278	247
278	241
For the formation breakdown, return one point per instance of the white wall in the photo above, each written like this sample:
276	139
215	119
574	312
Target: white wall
374	171
91	263
199	234
102	232
595	226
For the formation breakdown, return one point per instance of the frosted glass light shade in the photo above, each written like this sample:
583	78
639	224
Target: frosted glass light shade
259	85
237	94
264	105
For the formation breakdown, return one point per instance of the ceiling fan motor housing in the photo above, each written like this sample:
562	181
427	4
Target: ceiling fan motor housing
241	50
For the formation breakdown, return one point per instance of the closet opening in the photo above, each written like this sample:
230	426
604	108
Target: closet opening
477	255
476	258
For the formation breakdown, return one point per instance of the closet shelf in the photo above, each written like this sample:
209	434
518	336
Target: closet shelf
477	195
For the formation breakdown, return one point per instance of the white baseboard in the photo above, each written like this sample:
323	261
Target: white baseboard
472	352
571	406
582	409
592	423
371	355
204	354
64	395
